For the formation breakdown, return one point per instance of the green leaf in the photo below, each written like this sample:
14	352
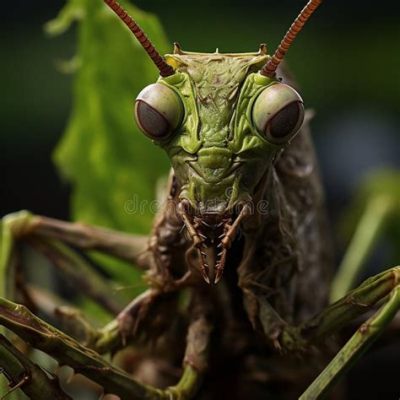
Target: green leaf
113	167
385	184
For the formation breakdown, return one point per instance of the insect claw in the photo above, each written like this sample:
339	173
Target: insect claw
206	278
218	275
205	273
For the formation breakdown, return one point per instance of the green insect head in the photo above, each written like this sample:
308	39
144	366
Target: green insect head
220	122
221	118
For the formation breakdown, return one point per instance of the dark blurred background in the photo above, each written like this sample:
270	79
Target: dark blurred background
347	62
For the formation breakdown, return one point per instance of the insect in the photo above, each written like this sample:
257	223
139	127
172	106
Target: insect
238	240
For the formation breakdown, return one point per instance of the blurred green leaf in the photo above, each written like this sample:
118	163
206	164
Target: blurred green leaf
113	168
384	184
380	183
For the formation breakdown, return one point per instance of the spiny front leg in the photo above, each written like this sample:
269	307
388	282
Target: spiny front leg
212	237
382	287
68	351
167	275
147	315
167	245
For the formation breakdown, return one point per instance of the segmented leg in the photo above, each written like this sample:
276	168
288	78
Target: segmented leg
79	273
139	316
166	244
67	350
23	374
197	350
84	237
382	287
48	236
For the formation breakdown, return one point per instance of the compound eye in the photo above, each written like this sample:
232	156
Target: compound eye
278	113
158	111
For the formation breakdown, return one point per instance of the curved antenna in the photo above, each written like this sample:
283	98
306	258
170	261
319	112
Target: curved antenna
165	69
272	64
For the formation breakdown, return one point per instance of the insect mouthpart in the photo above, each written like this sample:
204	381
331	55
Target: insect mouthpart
212	234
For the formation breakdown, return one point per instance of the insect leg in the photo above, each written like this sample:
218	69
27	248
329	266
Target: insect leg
68	351
84	237
125	326
16	229
384	287
25	375
197	350
79	272
68	261
48	237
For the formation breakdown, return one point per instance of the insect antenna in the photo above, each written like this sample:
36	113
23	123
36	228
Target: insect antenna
164	68
272	64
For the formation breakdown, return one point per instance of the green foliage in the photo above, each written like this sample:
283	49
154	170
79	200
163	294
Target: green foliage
386	183
102	153
378	184
113	168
